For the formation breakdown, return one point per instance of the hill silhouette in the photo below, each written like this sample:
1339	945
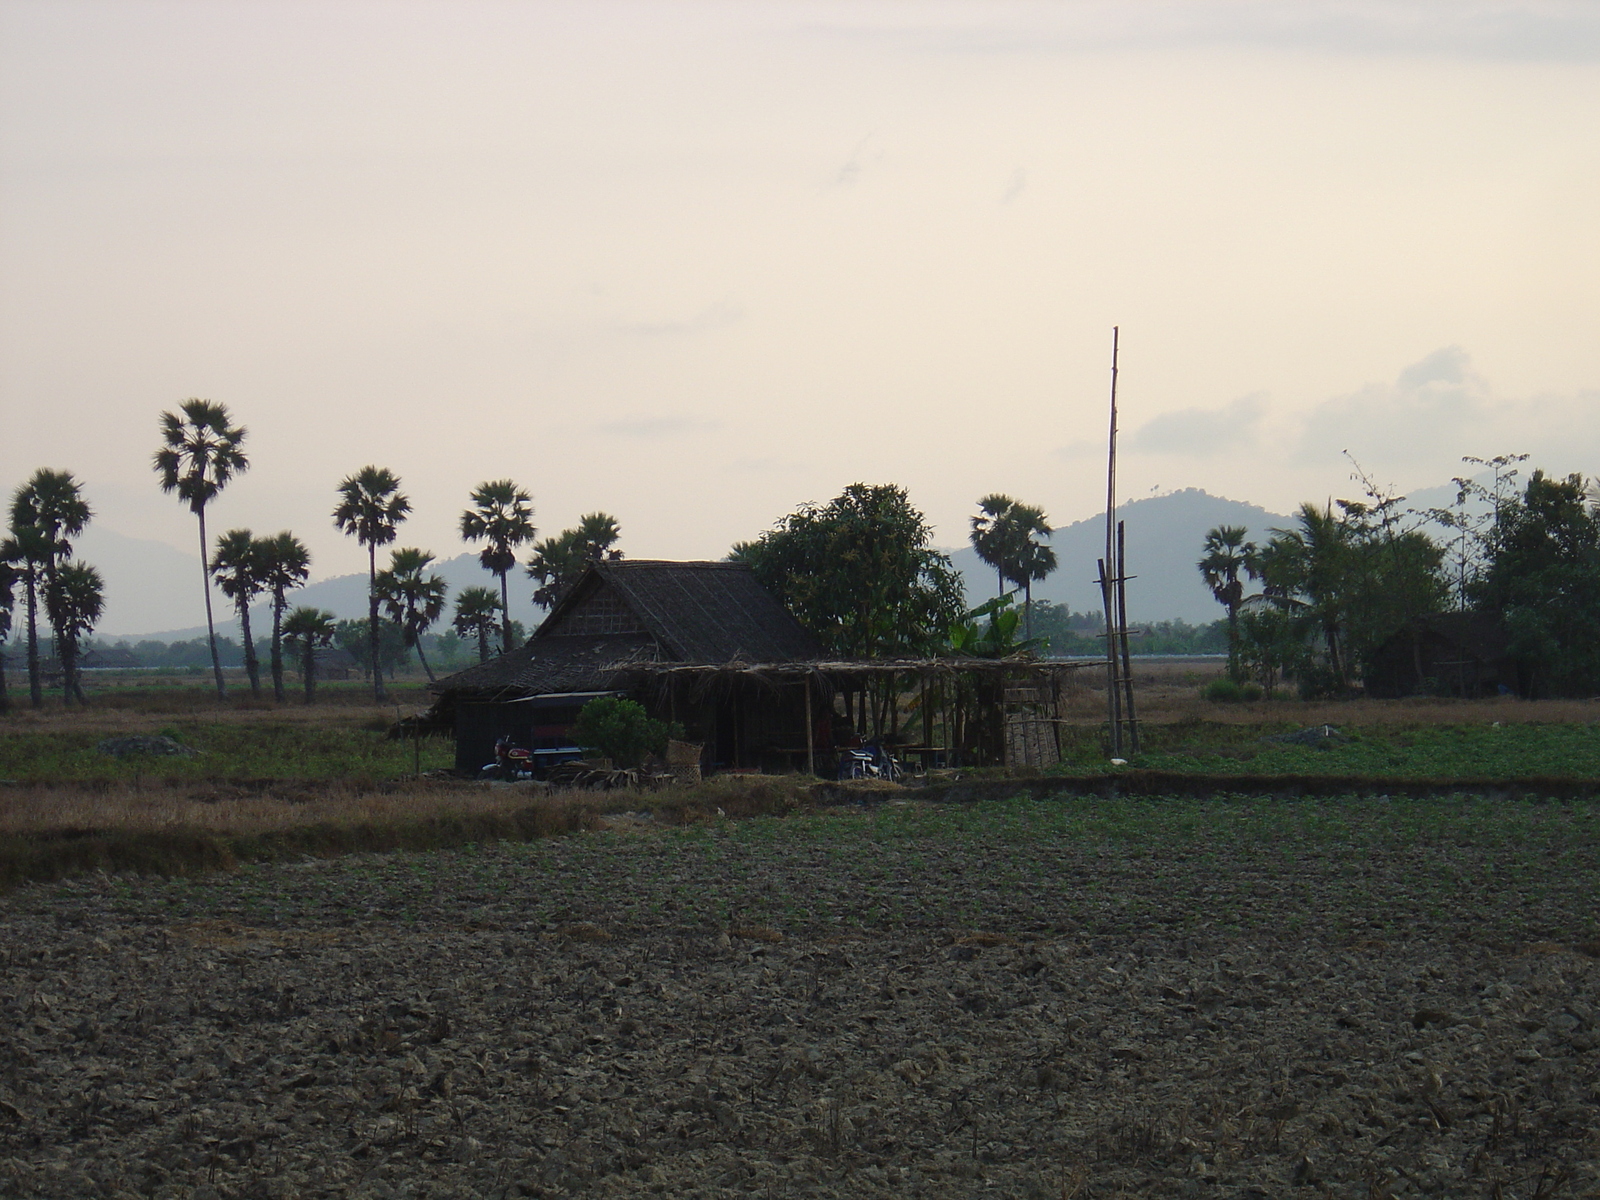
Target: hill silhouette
1164	537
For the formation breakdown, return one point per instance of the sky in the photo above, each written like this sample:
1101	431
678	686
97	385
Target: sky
696	264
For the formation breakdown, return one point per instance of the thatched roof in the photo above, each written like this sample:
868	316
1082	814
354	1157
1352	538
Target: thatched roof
623	614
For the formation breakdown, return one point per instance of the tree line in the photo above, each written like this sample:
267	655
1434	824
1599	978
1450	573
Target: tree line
1348	577
859	571
201	451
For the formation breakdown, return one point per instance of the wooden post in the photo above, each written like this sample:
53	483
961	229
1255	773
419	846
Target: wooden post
811	737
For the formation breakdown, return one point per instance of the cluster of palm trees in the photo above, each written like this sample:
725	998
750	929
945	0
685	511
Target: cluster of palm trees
203	450
46	513
1006	534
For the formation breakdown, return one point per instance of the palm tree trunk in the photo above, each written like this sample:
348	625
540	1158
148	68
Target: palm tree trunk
67	650
1027	610
59	640
211	627
423	659
35	683
505	618
277	645
308	668
252	665
483	643
372	620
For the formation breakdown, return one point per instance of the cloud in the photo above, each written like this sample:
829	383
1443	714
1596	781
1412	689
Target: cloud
850	172
1502	30
654	428
1202	432
1015	186
720	315
1436	404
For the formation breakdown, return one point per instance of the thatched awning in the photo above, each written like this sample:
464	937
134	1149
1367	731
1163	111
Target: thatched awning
862	667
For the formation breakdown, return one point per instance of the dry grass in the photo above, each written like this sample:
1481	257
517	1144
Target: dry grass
222	810
52	831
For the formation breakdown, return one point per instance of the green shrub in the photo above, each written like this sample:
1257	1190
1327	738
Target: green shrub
1223	691
620	730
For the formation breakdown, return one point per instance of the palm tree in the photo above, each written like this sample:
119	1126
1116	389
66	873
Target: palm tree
370	509
477	609
502	516
1031	561
46	513
413	600
1313	561
991	535
285	566
25	551
558	562
9	576
1003	533
239	570
313	629
200	456
1225	554
74	598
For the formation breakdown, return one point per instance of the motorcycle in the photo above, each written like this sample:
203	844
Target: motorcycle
511	762
870	761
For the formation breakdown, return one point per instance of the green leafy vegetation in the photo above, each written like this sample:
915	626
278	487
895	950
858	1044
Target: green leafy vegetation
1443	752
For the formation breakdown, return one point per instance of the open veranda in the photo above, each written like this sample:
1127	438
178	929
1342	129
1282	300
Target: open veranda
287	967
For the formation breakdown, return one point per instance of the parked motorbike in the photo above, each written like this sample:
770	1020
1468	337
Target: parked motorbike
870	761
511	762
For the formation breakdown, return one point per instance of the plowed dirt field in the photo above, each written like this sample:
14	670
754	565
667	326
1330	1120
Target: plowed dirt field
1029	998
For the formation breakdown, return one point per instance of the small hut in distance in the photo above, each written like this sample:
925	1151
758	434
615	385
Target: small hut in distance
704	645
621	618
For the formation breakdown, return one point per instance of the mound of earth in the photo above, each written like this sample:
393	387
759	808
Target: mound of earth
122	747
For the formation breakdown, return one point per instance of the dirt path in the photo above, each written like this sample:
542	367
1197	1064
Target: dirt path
634	1013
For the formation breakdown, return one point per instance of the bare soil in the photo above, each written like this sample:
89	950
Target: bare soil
793	1008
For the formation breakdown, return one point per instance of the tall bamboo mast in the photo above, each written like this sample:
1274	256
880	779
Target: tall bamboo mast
1111	569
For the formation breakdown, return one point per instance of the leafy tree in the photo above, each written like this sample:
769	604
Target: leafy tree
413	599
859	573
46	513
559	562
356	637
371	507
312	629
1225	557
239	567
502	516
200	455
1348	581
1542	578
285	566
620	730
74	598
8	599
477	610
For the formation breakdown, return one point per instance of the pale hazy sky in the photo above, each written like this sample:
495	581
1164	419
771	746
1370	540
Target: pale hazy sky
697	263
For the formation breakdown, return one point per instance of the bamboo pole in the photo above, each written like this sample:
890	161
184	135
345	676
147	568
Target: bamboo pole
811	737
1110	584
1122	623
